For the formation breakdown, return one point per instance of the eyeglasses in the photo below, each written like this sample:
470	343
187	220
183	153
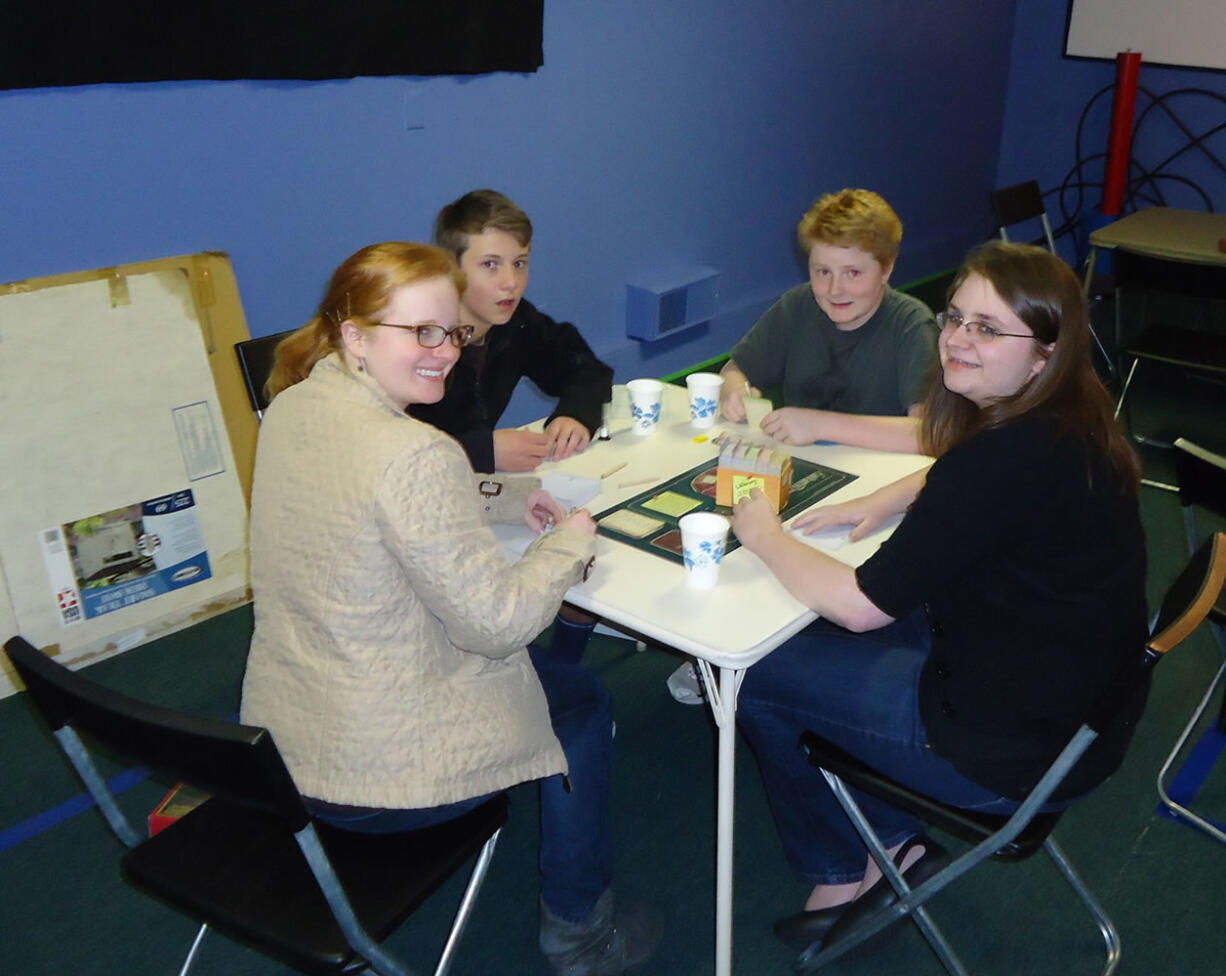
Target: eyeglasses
431	336
977	330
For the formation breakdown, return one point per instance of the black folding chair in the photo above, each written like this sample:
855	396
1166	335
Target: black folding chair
250	861
1191	353
255	359
1189	600
1201	475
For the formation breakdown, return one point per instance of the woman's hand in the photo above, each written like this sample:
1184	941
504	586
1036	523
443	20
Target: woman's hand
755	521
862	514
580	519
542	511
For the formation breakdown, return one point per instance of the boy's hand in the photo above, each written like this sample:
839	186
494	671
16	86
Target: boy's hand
519	450
566	437
793	425
732	401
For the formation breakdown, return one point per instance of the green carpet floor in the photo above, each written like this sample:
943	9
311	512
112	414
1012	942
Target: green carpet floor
64	909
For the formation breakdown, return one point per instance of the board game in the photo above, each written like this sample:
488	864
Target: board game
648	521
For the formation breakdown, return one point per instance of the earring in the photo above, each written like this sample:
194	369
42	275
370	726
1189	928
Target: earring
361	365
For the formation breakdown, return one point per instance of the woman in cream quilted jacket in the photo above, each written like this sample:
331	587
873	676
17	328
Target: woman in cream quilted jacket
389	655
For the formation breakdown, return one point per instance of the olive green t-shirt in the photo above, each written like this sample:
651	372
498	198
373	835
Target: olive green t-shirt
879	368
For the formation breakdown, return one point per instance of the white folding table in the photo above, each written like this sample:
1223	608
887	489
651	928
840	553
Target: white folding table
727	629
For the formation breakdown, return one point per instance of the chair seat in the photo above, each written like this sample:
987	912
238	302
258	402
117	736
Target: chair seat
1192	348
243	873
968	825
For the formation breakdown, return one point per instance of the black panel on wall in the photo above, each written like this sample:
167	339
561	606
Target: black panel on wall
78	43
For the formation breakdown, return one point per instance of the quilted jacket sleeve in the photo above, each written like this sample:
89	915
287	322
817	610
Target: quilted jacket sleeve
433	522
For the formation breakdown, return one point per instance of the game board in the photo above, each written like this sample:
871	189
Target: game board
648	521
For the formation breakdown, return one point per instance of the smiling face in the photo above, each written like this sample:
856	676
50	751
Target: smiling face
497	268
986	372
848	283
408	372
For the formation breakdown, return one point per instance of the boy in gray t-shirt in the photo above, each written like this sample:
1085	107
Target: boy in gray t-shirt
850	353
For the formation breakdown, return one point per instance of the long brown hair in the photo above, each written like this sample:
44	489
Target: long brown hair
359	291
1046	295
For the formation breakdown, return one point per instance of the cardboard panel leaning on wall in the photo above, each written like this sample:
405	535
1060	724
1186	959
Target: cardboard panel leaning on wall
128	443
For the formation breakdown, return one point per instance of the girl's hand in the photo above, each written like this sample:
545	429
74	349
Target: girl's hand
861	514
755	521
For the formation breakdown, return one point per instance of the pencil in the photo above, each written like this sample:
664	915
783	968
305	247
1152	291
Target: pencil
614	470
640	481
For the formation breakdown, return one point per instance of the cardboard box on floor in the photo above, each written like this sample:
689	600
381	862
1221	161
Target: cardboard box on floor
127	438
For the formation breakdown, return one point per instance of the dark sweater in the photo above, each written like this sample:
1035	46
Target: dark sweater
1031	563
551	354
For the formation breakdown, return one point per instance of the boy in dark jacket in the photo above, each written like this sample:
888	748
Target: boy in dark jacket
491	238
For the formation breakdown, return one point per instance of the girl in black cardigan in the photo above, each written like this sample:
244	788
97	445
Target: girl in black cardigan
961	657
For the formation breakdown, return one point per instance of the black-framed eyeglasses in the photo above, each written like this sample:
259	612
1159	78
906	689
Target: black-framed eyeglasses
431	336
976	329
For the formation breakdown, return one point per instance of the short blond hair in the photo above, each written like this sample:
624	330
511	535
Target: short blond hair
853	218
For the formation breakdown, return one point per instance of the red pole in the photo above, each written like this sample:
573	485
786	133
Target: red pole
1115	179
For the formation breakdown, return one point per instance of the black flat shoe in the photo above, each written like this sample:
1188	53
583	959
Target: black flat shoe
882	894
804	928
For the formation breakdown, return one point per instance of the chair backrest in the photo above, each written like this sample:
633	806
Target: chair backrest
1017	204
1197	593
255	359
240	762
1201	475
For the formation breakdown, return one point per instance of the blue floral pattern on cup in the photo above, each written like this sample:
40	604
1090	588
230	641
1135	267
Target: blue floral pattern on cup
701	408
707	554
645	420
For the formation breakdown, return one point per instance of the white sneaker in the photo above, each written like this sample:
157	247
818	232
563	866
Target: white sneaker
686	685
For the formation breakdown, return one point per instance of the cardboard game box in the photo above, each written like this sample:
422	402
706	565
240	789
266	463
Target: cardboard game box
745	465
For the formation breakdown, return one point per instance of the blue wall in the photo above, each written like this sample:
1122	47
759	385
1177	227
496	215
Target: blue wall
1047	94
657	136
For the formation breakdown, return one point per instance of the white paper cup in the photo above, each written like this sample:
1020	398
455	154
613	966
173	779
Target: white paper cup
646	400
703	535
704	398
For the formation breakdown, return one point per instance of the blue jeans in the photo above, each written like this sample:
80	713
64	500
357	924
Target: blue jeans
576	834
860	691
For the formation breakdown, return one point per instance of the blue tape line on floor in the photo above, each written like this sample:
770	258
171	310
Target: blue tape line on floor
69	808
1193	773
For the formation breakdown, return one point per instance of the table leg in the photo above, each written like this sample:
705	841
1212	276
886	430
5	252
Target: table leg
722	699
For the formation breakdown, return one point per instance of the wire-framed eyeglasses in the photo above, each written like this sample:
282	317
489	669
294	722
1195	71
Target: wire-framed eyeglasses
976	329
431	336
